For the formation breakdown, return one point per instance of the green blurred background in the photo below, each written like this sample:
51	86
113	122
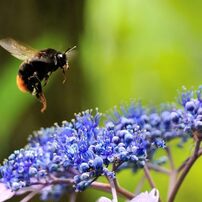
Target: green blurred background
125	50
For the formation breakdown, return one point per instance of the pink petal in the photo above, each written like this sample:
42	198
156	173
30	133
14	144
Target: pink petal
104	199
5	193
152	196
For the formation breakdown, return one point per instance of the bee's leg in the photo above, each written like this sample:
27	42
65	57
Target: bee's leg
40	95
46	79
36	88
42	99
64	71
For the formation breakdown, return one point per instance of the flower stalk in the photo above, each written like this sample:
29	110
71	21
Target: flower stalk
185	171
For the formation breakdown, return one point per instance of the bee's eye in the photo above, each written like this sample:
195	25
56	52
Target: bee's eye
60	59
60	55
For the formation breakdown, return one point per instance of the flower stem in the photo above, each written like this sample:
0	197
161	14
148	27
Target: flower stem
113	189
172	181
106	187
187	167
140	185
185	162
173	172
157	168
72	197
95	185
170	158
181	167
148	176
30	196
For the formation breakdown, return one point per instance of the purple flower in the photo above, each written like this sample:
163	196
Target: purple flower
158	126
192	114
73	155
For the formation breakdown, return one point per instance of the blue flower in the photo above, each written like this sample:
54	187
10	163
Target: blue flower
159	126
73	155
78	151
192	104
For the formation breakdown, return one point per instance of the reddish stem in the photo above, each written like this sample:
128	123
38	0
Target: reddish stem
148	176
187	167
107	188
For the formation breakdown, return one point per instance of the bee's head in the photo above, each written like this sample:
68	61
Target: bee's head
61	59
62	62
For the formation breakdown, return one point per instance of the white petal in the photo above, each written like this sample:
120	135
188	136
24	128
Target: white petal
5	193
153	196
104	199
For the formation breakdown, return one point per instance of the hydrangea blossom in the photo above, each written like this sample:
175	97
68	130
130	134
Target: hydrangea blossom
79	150
160	126
71	156
192	104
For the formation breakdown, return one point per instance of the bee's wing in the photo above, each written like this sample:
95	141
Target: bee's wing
18	50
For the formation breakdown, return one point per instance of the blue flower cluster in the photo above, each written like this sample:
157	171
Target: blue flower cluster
192	103
79	150
159	127
76	153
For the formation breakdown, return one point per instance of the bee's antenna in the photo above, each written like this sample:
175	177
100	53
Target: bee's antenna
69	50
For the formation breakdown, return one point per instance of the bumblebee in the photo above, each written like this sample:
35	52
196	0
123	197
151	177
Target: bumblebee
37	66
